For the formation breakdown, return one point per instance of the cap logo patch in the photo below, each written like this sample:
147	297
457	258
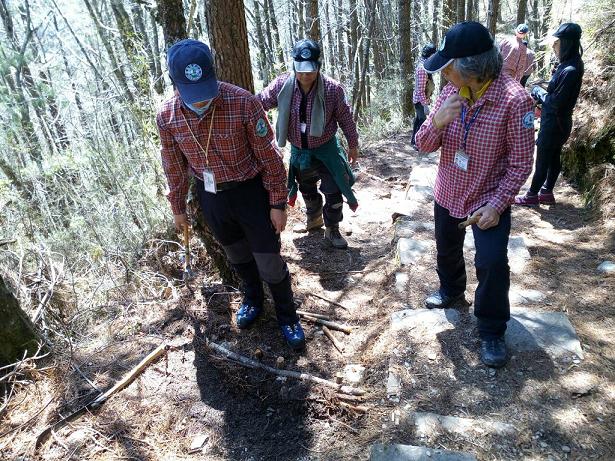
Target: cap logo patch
306	53
528	120
193	72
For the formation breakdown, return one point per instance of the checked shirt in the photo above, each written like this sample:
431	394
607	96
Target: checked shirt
500	147
337	112
518	58
420	85
241	145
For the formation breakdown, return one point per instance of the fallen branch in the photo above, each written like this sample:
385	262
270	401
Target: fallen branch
335	303
351	398
248	362
313	314
357	408
335	326
336	343
102	398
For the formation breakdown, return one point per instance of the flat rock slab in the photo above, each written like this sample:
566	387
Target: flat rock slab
409	250
407	228
518	252
519	296
423	175
433	321
431	424
397	452
530	330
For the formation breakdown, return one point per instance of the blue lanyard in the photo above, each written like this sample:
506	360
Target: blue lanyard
466	127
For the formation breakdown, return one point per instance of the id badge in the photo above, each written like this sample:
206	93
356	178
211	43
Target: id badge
303	127
209	179
461	160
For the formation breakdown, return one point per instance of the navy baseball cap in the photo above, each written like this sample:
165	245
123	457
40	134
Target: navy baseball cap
464	39
306	54
192	71
569	31
522	29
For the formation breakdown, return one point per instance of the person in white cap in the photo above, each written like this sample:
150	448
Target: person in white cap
518	58
311	107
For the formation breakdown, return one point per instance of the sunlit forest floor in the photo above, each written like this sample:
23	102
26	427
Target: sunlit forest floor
561	408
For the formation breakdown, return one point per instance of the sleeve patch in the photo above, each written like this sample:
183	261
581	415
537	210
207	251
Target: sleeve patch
528	120
261	128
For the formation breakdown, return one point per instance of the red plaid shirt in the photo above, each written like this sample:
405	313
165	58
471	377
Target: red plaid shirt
518	58
241	145
500	147
420	85
337	112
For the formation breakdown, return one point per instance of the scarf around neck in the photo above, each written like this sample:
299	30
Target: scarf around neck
317	123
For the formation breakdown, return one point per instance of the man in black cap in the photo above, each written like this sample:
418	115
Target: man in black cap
518	58
219	134
483	124
558	102
311	106
423	89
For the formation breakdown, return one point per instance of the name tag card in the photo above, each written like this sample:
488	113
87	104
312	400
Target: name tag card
209	179
461	160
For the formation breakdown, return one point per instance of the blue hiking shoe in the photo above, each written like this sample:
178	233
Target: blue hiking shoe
294	336
247	314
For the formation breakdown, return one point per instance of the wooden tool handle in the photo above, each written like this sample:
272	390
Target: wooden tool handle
468	222
187	244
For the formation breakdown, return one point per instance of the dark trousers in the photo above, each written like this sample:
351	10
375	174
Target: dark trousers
308	185
491	304
239	219
548	167
419	119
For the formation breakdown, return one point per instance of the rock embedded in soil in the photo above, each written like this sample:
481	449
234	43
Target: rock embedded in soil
607	267
425	321
398	452
409	250
431	424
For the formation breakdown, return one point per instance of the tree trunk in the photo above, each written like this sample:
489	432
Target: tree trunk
521	11
300	19
492	16
435	36
313	21
470	10
339	30
261	58
143	38
544	28
18	336
461	10
228	35
171	18
360	102
449	12
405	58
276	33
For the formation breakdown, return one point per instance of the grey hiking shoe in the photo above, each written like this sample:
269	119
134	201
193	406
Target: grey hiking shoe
334	238
311	224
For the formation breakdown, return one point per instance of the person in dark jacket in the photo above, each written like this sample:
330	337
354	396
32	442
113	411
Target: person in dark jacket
558	102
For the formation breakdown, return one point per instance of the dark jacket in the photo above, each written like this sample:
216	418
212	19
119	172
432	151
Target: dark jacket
559	101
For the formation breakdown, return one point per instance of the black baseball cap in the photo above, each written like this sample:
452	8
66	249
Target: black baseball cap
192	70
464	39
428	50
569	31
306	54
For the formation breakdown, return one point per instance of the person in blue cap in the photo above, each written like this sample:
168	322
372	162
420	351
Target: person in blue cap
219	134
558	102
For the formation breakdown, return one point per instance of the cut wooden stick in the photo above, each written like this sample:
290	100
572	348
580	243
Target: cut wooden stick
335	303
351	398
334	326
357	408
468	222
313	314
339	346
248	362
102	398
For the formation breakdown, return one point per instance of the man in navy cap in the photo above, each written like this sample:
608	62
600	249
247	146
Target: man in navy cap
219	134
558	102
483	124
311	106
518	58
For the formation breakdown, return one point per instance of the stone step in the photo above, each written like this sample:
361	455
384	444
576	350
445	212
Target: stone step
432	425
398	452
425	321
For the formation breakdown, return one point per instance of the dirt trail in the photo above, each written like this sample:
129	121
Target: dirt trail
550	408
